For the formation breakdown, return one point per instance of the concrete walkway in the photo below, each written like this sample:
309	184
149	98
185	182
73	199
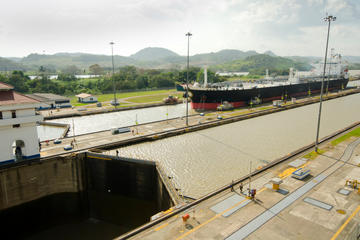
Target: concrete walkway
257	222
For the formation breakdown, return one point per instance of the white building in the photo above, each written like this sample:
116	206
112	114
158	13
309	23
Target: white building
18	134
86	98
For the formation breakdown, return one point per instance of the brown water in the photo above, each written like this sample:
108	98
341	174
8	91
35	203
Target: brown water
203	161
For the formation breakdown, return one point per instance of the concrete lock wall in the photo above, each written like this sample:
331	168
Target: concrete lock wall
125	192
37	196
164	201
26	183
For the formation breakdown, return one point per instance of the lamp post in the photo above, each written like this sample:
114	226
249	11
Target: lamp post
327	19
112	60
187	81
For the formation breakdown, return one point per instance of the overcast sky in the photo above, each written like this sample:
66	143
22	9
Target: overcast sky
286	27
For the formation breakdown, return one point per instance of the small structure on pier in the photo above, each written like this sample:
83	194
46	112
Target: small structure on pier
86	98
19	139
50	100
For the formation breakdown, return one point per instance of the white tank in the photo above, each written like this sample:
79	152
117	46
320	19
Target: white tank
293	76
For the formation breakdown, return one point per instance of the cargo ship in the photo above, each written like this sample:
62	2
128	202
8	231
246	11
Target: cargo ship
210	96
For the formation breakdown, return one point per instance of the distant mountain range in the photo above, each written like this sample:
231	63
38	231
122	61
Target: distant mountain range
9	65
160	58
260	62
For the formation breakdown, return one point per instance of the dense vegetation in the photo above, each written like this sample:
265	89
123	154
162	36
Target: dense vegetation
127	78
131	77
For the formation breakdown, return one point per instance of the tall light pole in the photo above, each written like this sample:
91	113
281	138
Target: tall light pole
113	71
327	19
187	80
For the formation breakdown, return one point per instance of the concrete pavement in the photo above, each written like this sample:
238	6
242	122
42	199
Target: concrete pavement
297	220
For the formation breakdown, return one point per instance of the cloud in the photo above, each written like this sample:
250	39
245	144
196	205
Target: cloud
279	11
283	26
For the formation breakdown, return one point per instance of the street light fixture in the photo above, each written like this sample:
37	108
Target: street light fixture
327	19
187	80
113	70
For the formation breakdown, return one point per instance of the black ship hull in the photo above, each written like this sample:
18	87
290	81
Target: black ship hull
211	98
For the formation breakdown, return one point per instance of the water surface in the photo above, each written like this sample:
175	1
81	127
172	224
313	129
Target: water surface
106	121
206	160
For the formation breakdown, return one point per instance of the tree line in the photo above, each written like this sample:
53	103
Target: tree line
125	78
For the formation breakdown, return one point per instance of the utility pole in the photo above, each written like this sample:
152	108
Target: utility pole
327	19
113	71
187	81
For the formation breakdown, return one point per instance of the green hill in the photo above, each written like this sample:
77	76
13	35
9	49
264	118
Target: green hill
354	66
257	64
160	58
80	60
270	53
308	59
153	54
352	59
220	57
8	65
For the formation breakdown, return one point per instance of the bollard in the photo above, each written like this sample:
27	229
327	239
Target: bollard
185	217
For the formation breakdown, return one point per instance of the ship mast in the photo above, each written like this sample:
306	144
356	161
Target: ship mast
205	76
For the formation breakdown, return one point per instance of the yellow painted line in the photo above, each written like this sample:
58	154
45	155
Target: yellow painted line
210	220
161	227
216	216
168	211
99	158
43	154
261	190
345	223
286	173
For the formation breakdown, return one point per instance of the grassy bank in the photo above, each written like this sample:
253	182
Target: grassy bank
153	98
139	97
353	133
312	155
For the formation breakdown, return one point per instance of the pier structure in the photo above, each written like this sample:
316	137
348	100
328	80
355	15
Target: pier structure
19	140
121	193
